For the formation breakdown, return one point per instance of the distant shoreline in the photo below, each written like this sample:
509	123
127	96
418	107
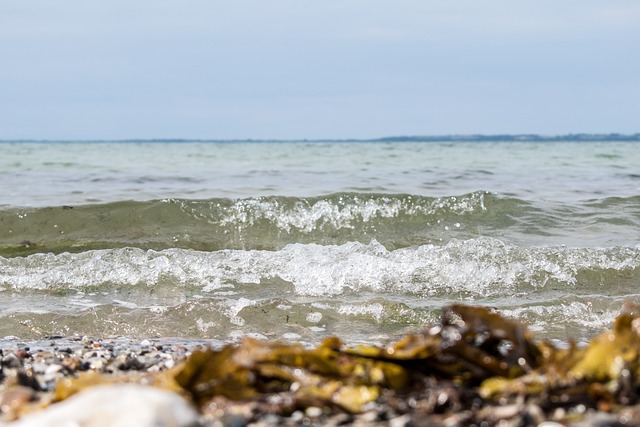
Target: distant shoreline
578	137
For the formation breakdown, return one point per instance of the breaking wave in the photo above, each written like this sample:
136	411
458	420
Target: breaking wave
271	223
215	293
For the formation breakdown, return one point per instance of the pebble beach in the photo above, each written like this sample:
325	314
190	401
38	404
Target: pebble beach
39	386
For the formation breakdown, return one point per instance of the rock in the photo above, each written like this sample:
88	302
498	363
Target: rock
118	405
401	421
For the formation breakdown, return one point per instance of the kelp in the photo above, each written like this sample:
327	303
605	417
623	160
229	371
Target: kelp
603	374
324	374
495	360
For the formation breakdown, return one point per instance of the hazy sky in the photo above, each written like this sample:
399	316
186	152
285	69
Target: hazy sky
116	69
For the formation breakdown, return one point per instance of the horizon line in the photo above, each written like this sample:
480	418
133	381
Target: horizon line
401	138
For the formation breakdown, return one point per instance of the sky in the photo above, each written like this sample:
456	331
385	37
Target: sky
330	69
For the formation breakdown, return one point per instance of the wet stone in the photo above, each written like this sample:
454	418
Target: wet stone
117	406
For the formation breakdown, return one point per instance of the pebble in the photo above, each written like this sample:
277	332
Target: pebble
313	412
120	405
402	421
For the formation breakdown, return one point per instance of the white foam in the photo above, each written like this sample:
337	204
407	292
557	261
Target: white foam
204	326
158	309
338	214
291	336
475	268
314	317
126	304
375	310
234	307
572	315
320	305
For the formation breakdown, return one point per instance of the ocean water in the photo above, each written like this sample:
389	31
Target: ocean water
303	240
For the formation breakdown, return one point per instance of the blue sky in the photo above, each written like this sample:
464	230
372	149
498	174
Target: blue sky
316	69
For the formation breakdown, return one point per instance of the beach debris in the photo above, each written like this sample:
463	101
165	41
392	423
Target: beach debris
474	366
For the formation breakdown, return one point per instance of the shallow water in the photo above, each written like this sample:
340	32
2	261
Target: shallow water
304	240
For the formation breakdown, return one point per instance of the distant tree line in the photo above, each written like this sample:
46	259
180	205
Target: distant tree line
517	137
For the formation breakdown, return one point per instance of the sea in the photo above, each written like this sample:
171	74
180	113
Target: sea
299	241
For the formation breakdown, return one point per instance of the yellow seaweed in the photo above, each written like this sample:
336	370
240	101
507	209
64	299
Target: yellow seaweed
254	367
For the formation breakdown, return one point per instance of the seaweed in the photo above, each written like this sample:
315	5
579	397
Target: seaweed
604	374
324	375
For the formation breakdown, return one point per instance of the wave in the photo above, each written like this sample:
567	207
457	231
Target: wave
366	287
473	269
252	223
271	223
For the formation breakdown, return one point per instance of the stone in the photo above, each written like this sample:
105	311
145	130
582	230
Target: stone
119	405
